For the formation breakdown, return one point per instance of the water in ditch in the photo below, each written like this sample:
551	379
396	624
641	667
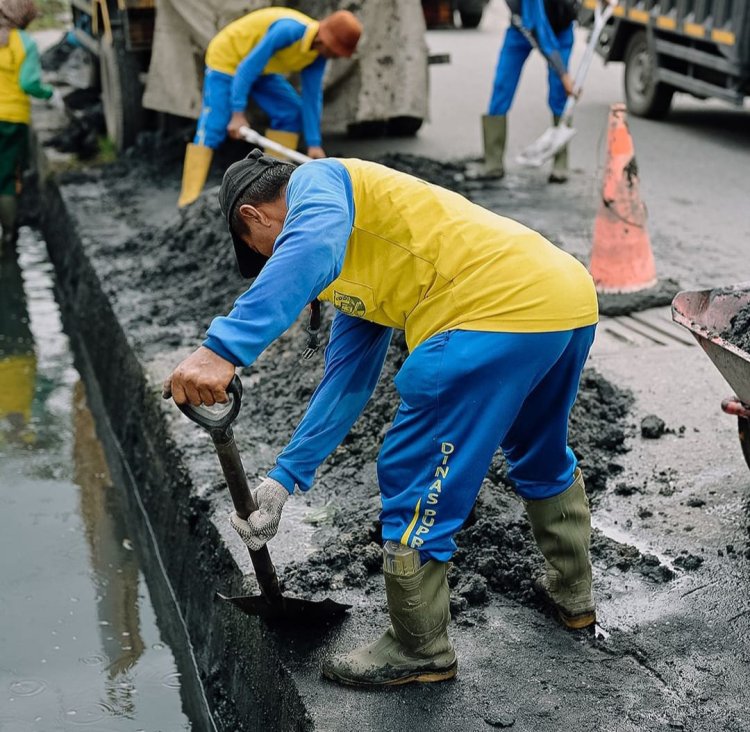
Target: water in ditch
80	643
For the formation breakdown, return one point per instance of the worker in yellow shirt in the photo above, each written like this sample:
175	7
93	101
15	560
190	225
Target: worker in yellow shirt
498	322
20	76
248	58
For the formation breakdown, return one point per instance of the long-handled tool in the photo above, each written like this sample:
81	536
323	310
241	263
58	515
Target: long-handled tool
271	604
255	138
555	138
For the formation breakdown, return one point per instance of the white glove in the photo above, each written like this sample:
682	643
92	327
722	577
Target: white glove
56	100
262	525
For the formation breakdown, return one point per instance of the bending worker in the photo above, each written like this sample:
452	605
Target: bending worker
548	26
248	58
20	76
498	322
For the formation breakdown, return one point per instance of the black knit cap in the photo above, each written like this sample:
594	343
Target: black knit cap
237	178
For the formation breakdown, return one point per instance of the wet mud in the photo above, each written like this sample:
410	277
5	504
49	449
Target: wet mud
614	304
174	277
738	332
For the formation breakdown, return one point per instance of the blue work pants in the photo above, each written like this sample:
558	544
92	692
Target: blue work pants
513	55
273	93
463	395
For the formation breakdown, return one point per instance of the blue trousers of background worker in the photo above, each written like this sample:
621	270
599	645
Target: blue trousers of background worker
273	93
463	395
513	55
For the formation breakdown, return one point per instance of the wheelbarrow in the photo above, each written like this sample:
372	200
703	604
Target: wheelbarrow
706	314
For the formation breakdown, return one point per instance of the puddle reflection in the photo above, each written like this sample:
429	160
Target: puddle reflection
79	640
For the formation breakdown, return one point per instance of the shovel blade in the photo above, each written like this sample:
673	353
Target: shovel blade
289	609
541	150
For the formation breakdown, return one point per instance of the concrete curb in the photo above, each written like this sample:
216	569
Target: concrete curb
245	690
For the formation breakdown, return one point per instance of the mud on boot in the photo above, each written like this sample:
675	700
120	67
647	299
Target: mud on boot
416	647
562	529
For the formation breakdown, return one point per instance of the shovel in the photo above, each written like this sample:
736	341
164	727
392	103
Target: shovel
271	604
555	138
255	138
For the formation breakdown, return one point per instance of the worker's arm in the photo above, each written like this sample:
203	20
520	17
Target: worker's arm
534	19
30	77
281	34
354	359
312	100
307	257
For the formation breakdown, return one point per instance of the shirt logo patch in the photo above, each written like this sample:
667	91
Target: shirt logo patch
348	304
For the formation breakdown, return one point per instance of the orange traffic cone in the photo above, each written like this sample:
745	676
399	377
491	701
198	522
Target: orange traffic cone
621	256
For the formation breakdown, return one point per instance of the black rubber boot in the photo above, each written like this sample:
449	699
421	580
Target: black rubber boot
9	223
562	529
416	647
494	135
559	172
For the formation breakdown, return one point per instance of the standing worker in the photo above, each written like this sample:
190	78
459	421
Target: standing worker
20	76
548	25
248	58
498	322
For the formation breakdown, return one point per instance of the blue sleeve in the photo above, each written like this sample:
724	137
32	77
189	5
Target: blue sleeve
534	18
354	359
281	34
312	101
307	257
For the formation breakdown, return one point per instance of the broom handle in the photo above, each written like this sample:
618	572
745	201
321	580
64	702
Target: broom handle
600	20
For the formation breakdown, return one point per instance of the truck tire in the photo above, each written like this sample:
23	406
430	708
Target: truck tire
645	96
122	92
403	126
470	18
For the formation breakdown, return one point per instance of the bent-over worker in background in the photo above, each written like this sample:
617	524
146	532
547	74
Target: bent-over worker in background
20	78
498	322
248	58
547	24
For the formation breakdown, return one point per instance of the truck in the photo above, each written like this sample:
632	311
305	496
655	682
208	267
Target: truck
701	47
150	60
440	13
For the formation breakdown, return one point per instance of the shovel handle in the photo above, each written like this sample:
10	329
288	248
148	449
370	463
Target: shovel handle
217	419
255	138
244	505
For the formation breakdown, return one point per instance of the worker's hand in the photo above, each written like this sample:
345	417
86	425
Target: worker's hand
568	85
202	378
262	525
316	152
238	120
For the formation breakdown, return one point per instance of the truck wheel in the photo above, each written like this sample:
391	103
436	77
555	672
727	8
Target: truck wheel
122	92
367	129
645	96
403	126
470	18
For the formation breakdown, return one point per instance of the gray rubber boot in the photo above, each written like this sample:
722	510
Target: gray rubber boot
559	172
8	220
494	134
562	529
416	647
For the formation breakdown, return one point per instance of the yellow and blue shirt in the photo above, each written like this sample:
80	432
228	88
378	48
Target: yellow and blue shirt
391	251
20	76
272	41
